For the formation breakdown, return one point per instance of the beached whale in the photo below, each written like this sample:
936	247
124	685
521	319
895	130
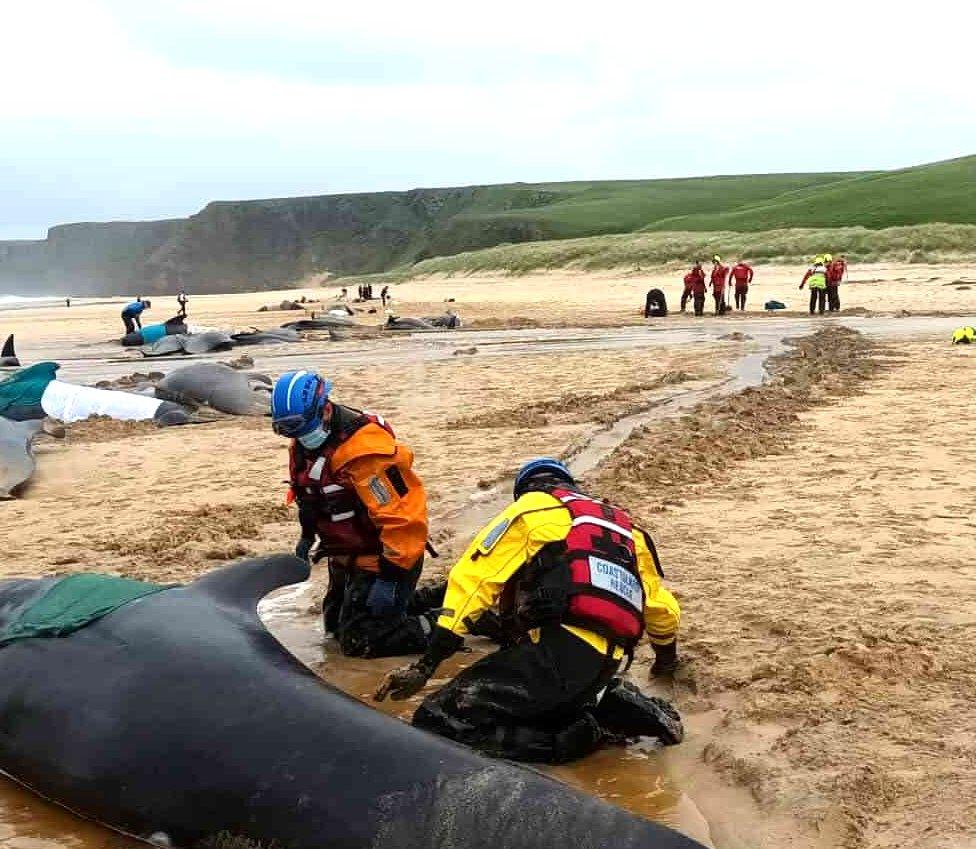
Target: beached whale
189	343
219	386
394	322
325	322
16	453
152	333
8	357
449	320
178	718
266	337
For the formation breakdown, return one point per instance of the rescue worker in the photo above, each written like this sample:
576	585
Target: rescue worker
358	495
836	269
717	281
698	291
579	585
132	314
742	275
817	277
182	300
696	274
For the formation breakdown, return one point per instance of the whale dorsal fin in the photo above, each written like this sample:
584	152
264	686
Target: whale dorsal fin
8	347
245	583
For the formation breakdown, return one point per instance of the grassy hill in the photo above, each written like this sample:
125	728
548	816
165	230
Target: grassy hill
943	192
244	245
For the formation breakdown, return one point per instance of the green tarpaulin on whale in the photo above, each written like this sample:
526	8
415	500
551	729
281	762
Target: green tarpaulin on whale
20	394
76	601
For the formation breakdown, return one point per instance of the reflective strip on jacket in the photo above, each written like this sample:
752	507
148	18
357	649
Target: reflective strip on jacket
376	470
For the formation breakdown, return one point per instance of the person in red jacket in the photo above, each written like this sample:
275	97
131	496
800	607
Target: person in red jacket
691	278
742	275
836	269
720	274
698	290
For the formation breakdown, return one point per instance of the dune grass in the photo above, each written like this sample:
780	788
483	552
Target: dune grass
923	243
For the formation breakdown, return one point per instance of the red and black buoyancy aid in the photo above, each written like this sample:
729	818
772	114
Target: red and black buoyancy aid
597	563
327	506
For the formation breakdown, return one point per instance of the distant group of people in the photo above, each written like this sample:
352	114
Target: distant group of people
365	293
823	278
696	287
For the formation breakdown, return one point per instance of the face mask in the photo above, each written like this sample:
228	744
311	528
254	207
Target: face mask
314	440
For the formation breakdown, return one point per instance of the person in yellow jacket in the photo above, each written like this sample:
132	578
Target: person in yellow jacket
360	499
816	277
579	585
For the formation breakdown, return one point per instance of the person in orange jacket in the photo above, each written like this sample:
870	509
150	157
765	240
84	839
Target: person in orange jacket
359	496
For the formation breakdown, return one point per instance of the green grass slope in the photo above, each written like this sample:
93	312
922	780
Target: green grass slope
565	210
921	243
941	192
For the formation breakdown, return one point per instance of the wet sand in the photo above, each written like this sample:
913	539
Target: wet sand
820	556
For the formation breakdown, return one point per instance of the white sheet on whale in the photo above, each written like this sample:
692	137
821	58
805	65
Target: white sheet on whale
68	402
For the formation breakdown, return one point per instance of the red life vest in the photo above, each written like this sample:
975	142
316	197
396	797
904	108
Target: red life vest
341	519
606	594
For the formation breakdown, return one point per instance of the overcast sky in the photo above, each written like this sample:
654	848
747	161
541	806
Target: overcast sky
128	109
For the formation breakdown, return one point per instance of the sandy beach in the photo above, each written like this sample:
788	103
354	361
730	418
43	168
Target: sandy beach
816	531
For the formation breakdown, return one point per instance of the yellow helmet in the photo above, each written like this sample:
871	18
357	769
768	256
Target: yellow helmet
716	258
828	257
818	259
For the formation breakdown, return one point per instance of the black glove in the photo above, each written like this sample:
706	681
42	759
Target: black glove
665	659
403	682
303	548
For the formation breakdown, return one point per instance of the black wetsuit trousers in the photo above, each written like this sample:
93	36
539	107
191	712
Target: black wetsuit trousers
699	304
530	702
359	631
130	325
740	299
833	298
818	300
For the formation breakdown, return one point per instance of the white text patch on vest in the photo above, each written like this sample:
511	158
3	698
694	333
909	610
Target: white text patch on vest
617	580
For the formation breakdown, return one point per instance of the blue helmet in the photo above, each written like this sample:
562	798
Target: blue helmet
297	402
538	466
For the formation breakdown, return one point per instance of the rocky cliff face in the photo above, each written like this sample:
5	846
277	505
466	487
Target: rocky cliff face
236	246
87	259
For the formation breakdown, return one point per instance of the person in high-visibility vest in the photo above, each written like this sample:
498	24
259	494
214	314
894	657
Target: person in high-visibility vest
816	276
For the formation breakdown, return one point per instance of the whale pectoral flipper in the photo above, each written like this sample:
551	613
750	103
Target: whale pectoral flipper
245	583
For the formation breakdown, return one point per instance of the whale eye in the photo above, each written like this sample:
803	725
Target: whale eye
160	838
